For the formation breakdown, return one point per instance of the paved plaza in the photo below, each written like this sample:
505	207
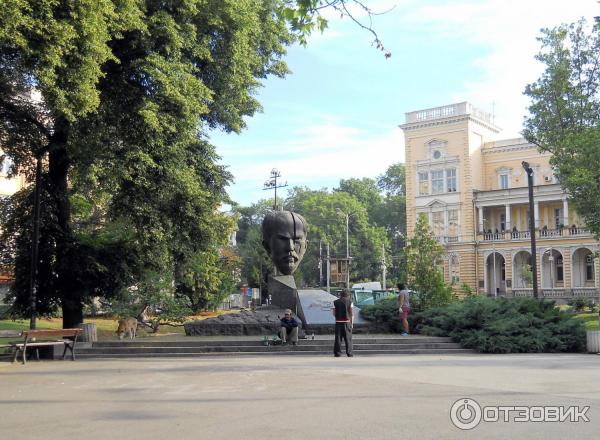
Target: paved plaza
300	397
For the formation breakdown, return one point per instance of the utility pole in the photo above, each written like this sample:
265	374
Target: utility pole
271	183
529	172
383	267
320	264
342	213
328	270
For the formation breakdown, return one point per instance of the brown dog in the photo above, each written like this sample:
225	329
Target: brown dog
128	325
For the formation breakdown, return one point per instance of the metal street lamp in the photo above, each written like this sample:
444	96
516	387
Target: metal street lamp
529	172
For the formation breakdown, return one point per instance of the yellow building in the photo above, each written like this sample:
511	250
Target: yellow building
473	189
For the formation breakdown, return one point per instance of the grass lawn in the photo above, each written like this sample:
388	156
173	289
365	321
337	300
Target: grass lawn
106	327
590	320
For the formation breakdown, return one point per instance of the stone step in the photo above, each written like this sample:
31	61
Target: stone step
271	353
258	341
262	348
233	346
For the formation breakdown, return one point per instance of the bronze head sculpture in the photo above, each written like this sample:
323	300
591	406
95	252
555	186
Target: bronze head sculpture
284	239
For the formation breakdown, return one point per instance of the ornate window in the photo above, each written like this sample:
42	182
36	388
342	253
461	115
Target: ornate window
423	183
437	149
453	223
438	224
451	180
437	181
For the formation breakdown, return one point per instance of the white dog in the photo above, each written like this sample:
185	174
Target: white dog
128	325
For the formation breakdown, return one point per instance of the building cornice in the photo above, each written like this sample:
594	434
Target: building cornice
447	121
508	149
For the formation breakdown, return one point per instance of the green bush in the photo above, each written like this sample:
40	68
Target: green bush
386	318
519	325
581	304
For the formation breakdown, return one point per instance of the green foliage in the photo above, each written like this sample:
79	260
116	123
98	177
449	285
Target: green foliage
122	96
519	325
466	289
385	314
582	304
152	298
423	257
327	224
207	279
565	104
527	275
304	16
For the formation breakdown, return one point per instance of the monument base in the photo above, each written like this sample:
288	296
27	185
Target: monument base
284	294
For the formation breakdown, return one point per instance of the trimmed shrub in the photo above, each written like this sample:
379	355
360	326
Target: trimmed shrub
385	316
519	325
581	304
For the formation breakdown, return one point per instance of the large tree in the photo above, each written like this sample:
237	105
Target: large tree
565	113
120	94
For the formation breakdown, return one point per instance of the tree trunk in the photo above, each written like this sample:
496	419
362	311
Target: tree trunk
58	172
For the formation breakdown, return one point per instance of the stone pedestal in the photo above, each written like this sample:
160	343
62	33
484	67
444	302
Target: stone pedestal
284	294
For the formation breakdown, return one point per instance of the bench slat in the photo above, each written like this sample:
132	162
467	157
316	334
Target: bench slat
48	333
39	344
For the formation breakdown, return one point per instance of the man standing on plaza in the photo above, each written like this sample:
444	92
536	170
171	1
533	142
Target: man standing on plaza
344	316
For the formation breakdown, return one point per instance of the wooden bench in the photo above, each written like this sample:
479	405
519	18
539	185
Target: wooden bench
46	338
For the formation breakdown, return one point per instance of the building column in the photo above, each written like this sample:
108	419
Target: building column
536	214
480	210
565	213
507	220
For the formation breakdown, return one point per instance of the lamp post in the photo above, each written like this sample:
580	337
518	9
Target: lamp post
529	172
342	213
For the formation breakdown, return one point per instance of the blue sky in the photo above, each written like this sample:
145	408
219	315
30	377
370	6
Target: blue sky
337	115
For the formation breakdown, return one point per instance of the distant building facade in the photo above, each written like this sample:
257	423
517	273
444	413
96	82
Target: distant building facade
473	190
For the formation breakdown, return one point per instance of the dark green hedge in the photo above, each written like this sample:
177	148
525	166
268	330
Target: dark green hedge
488	325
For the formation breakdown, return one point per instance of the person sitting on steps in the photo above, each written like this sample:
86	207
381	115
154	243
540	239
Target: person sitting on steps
289	328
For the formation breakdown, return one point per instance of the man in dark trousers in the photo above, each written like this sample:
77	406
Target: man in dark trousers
289	328
344	316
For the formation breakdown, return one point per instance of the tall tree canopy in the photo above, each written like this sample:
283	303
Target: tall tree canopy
120	94
565	113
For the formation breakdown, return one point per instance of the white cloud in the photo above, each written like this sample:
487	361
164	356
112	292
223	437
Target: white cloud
508	30
318	156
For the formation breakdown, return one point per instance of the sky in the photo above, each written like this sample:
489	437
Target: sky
336	116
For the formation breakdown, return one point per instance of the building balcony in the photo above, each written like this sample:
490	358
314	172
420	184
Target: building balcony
558	293
543	233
